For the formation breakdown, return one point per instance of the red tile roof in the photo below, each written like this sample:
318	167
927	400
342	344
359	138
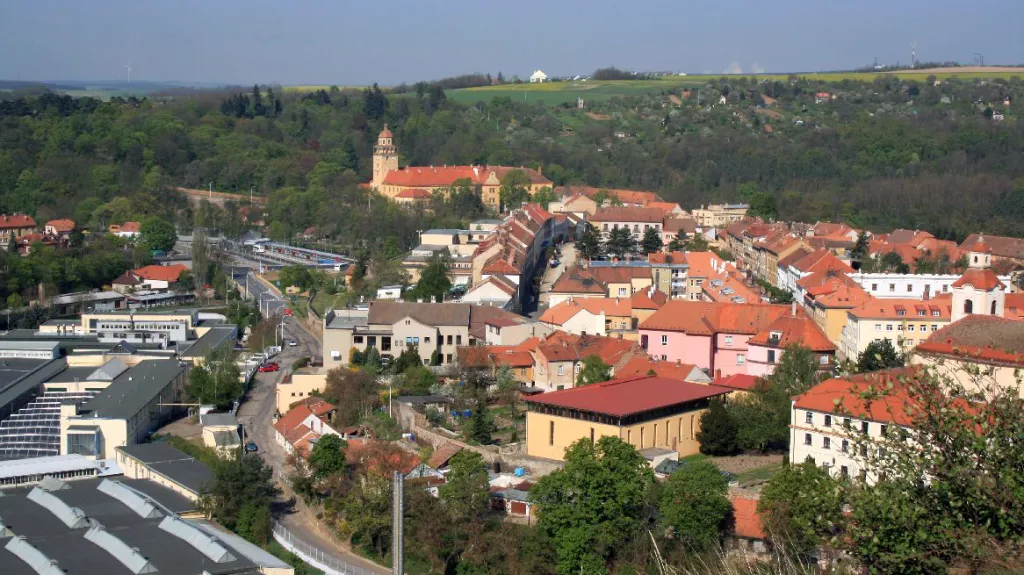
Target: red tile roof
499	265
619	274
794	330
649	298
666	207
126	279
132	227
741	381
703	264
446	176
498	280
845	396
643	365
628	214
563	312
1013	306
318	406
747	520
488	356
980	279
908	309
707	318
624	196
62	226
577	280
442	455
169	273
561	346
623	397
414	194
1004	247
982	338
668	257
17	221
292	419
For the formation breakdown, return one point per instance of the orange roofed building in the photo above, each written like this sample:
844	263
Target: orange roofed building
393	182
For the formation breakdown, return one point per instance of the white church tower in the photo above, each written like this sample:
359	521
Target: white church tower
979	290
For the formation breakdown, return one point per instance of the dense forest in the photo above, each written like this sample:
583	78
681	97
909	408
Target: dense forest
940	156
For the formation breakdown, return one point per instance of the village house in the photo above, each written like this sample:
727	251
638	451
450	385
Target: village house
510	330
559	357
712	336
591	316
833	426
678	226
644	412
669	272
1004	249
13	227
577	204
622	278
645	303
611	196
490	358
158	277
390	180
718	215
61	228
975	351
127	230
903	322
765	350
828	296
575	283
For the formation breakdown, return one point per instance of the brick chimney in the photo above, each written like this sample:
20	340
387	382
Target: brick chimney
718	374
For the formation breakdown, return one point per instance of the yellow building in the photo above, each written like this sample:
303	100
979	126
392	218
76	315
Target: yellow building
392	181
300	386
644	412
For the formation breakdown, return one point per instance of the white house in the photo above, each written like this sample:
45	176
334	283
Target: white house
909	286
389	292
538	77
496	290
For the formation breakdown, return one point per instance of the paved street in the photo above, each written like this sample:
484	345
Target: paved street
567	259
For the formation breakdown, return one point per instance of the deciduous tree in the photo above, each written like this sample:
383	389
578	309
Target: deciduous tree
694	507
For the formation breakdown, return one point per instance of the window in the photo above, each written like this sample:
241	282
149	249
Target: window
892	287
910	328
622	291
408	340
448	359
910	288
807	439
771	356
826	443
924	327
935	327
846	423
899	327
741	359
728	340
591	435
560	369
458	340
968	307
604	228
884	428
845	447
863	475
844	472
828	421
551	433
809	417
888	327
416	340
993	311
357	339
577	369
426	339
878	327
449	340
864	427
874	287
921	313
664	340
522	371
664	357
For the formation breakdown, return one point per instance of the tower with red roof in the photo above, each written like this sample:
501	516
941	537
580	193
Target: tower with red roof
979	290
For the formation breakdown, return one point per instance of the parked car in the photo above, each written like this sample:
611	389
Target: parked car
251	447
292	343
269	367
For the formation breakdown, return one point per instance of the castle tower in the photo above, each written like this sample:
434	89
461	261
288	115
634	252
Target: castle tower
385	156
979	290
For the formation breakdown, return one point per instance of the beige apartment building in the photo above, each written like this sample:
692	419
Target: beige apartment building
644	412
392	327
717	215
905	323
300	386
636	220
978	350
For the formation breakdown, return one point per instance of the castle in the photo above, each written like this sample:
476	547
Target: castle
415	184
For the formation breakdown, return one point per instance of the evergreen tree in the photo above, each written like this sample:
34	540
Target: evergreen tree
879	354
718	430
257	102
480	425
620	242
588	246
651	242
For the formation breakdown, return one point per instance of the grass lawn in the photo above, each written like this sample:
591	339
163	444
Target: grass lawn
759	474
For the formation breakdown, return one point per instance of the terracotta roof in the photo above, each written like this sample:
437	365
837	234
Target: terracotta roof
432	314
577	280
1013	306
61	226
797	255
481	315
980	279
499	265
563	312
1001	246
415	194
169	273
16	221
624	196
318	406
628	214
844	396
385	133
794	330
981	338
623	397
844	296
132	227
707	318
619	274
442	455
980	246
910	237
740	381
649	298
445	176
676	225
703	264
296	433
665	207
292	419
668	257
488	356
643	365
908	309
561	346
746	519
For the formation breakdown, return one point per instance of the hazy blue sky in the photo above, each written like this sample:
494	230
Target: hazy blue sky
362	41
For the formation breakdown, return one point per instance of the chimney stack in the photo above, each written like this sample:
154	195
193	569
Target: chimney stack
793	308
718	374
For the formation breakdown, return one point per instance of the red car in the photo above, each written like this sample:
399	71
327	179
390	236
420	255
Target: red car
272	366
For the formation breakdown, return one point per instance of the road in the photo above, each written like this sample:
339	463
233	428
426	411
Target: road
567	259
256	416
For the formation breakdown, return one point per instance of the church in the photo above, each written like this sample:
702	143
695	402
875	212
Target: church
415	184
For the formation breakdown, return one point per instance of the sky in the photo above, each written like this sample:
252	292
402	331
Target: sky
358	42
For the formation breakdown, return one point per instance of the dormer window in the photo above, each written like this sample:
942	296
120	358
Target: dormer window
775	335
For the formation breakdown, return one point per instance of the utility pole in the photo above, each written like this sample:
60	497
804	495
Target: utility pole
397	527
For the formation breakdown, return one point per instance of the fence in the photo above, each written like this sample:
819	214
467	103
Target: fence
314	557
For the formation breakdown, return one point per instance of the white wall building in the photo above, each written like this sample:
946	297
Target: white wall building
538	77
909	286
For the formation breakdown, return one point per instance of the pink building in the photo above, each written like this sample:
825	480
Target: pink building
725	338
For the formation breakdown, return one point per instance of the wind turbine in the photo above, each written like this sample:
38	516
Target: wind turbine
129	66
913	55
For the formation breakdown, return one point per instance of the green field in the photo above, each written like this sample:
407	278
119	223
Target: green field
560	92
